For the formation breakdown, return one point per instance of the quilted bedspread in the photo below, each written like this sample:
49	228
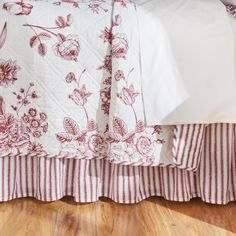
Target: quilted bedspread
70	83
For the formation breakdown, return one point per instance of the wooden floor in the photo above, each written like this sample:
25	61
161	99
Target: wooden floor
154	216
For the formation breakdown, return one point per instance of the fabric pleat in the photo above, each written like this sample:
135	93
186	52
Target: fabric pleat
49	179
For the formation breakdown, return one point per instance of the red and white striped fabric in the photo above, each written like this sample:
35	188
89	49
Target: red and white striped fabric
86	180
187	145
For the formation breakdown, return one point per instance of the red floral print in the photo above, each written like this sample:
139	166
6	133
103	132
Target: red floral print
105	96
8	72
35	125
18	8
96	143
68	48
24	98
80	96
107	66
119	46
128	95
61	22
119	75
84	142
124	2
119	43
145	146
96	6
70	78
17	132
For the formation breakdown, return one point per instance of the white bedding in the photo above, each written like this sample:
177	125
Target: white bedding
203	90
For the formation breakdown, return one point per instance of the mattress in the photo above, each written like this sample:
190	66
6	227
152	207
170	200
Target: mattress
73	109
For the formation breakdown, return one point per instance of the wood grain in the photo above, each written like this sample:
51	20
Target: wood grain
154	216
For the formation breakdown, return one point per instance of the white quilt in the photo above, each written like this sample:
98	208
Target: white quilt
78	79
70	83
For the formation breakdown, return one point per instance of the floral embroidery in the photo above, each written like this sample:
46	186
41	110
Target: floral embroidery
18	8
105	96
117	134
119	46
94	5
123	2
137	142
66	47
20	130
86	142
8	72
119	43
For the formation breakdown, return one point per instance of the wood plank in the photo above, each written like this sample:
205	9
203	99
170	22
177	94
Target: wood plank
154	216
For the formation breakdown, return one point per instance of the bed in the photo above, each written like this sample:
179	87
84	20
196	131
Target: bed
95	103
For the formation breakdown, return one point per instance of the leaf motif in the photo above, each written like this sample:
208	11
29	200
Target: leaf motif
60	22
64	137
119	126
114	138
44	35
42	49
61	37
92	125
33	41
129	137
81	136
3	35
69	19
71	126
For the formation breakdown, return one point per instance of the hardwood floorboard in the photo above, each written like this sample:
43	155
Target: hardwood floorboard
152	217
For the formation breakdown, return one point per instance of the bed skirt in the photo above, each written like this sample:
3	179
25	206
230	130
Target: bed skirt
49	179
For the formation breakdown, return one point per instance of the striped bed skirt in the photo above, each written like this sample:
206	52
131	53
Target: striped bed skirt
49	179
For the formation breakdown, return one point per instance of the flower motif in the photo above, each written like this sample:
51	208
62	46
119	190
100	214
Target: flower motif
61	22
120	46
68	48
43	116
157	129
95	143
32	112
107	64
119	75
18	8
145	146
18	137
80	96
33	124
6	122
8	72
26	118
70	78
107	35
128	95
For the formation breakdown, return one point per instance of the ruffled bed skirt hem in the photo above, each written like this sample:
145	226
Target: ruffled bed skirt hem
87	180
